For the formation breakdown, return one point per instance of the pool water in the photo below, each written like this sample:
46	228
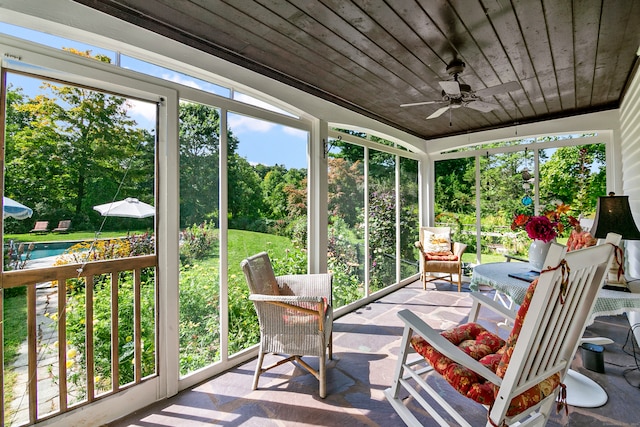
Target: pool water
48	249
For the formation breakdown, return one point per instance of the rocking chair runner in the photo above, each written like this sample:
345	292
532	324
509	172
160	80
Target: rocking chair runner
518	380
295	315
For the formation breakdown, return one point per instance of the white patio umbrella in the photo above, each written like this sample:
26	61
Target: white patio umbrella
128	208
16	210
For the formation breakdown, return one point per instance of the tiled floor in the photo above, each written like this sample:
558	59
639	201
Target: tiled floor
365	347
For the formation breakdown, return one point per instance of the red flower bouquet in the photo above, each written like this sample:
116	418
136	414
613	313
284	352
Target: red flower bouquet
541	228
544	227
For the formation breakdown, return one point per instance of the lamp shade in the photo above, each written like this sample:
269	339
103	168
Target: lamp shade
613	215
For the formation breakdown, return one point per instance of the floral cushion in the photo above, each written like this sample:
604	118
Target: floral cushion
492	352
291	315
478	343
579	240
436	242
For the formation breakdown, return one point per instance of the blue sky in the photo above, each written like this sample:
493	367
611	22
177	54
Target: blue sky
260	141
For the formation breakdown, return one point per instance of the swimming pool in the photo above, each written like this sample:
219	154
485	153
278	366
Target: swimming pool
47	249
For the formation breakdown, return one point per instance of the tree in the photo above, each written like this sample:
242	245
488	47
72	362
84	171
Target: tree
246	202
76	150
346	198
199	135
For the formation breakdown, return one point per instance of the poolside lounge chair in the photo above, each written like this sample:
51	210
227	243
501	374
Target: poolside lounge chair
63	226
41	227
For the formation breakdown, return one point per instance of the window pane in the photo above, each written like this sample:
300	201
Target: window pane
69	149
409	217
455	204
267	198
346	229
382	220
199	134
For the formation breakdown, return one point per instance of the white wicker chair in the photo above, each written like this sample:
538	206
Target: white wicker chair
295	315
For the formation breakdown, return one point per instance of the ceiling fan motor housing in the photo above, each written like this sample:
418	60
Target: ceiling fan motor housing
455	67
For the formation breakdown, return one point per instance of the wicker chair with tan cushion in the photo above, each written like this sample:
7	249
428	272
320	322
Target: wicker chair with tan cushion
439	255
295	315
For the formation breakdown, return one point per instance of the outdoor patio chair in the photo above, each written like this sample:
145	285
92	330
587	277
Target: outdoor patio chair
519	379
63	226
440	255
295	315
41	227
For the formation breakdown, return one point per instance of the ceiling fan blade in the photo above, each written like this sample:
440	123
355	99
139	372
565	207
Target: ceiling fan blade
413	104
438	112
493	90
450	87
485	107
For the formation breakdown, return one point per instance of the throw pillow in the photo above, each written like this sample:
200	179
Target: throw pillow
435	243
579	240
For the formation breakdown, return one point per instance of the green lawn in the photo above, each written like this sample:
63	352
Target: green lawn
73	236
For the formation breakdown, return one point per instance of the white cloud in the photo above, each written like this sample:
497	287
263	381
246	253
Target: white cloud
143	112
298	133
182	79
239	124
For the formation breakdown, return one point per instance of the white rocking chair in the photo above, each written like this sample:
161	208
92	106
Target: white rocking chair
522	382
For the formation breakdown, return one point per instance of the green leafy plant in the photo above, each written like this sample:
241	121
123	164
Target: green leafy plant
196	241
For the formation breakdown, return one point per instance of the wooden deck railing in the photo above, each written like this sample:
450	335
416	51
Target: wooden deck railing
60	275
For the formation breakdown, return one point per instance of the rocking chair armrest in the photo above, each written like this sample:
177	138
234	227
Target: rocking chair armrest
480	300
445	347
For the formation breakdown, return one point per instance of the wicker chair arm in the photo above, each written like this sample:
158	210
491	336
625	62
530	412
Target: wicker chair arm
458	249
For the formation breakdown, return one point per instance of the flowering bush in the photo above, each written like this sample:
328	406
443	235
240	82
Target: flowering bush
548	226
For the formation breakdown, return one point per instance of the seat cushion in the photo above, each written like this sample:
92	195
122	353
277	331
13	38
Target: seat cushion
292	315
480	344
440	256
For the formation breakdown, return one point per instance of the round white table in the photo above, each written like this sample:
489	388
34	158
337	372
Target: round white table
581	390
496	276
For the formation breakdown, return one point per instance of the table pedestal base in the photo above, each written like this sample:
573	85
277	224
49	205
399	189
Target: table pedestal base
583	392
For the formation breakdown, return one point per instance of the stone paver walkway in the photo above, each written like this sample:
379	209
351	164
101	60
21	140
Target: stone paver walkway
47	337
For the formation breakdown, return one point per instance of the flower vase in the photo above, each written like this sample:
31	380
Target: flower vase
538	253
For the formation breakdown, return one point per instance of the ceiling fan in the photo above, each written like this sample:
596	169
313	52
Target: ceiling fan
456	94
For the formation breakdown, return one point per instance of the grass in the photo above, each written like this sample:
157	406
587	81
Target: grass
15	332
246	243
73	236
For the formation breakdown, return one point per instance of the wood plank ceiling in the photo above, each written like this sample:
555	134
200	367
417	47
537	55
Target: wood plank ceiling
568	57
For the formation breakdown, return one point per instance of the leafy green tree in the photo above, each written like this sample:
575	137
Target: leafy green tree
455	185
345	187
246	202
571	176
273	183
75	149
199	135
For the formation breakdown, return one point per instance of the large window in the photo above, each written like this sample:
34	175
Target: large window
373	216
199	132
267	210
79	278
534	178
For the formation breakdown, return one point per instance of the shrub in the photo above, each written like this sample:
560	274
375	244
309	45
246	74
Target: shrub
196	242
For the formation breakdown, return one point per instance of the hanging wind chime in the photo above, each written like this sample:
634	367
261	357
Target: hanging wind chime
527	179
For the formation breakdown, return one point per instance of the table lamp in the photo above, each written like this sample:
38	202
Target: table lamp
613	215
